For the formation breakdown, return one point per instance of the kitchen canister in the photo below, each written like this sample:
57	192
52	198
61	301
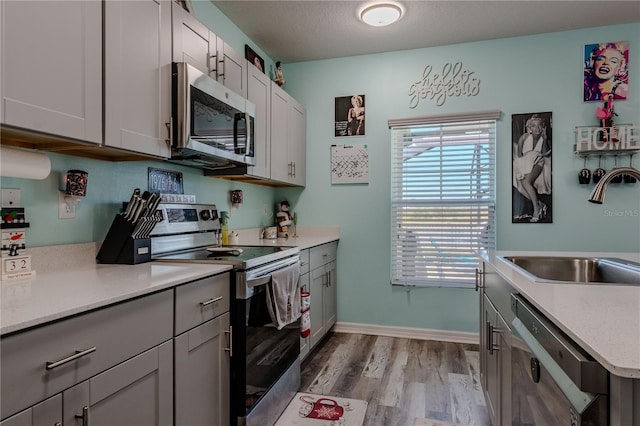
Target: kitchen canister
270	233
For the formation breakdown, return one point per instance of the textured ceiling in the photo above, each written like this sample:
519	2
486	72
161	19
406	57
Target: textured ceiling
303	30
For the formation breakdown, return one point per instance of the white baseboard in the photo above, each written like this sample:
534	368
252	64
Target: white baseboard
408	332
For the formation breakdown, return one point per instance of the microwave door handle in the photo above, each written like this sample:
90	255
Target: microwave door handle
236	119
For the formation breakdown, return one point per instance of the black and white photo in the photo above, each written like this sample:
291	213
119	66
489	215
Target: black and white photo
531	168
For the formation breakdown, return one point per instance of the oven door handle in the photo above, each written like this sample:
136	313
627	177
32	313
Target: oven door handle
255	282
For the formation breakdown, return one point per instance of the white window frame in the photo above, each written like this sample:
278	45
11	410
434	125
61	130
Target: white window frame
442	197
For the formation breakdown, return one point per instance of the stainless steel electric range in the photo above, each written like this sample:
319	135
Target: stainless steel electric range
265	363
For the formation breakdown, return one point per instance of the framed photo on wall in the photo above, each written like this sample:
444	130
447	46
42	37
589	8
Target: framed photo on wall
531	168
606	71
254	58
349	116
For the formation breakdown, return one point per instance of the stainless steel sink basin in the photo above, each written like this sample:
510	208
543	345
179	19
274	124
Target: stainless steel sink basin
588	270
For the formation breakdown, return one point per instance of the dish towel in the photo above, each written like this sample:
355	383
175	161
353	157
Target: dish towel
284	296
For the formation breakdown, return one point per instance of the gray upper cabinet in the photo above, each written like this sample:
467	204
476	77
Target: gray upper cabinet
258	88
288	138
52	67
195	44
229	67
137	52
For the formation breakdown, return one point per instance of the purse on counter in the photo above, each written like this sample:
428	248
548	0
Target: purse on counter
323	408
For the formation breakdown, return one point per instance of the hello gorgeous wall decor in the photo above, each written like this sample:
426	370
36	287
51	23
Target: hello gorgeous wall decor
451	81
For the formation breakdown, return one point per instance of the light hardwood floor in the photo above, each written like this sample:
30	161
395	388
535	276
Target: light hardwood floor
406	382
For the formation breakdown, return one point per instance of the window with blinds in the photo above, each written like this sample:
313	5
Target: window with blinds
442	198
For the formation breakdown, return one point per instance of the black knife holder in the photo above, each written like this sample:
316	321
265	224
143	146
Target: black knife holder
119	246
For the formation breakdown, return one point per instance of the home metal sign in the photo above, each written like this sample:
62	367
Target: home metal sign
453	80
590	139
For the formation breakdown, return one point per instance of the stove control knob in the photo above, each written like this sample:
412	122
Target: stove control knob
205	214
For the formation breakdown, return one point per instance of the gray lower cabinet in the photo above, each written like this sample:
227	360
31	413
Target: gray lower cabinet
48	412
114	364
495	344
202	352
323	285
136	392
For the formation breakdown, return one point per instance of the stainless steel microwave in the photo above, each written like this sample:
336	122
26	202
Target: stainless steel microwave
213	126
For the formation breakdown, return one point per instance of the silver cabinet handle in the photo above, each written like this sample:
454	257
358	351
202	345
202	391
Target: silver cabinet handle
224	67
169	131
230	348
294	169
210	301
84	416
76	355
214	59
478	277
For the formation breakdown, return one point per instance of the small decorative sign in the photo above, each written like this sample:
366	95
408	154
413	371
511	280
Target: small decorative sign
451	81
165	181
589	139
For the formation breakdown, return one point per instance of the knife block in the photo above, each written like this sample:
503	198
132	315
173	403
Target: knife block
120	247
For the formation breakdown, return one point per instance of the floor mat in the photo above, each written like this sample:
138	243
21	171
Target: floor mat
308	409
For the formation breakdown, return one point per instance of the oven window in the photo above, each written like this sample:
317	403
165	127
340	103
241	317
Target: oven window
269	351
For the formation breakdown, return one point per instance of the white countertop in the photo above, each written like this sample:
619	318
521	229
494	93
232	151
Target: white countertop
306	237
603	319
68	280
58	294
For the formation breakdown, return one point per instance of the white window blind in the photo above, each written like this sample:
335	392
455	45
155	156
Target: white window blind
442	199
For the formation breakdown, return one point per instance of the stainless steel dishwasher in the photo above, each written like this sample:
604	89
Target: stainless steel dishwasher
553	381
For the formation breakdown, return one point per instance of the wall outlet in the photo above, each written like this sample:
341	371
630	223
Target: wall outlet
10	198
65	211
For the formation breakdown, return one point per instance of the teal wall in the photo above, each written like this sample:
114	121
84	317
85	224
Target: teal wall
111	183
518	75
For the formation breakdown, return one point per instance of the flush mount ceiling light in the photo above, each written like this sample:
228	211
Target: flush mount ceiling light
381	14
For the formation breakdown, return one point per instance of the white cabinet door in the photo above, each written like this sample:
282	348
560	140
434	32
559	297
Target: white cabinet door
297	146
258	92
230	67
190	39
288	138
280	165
138	76
52	67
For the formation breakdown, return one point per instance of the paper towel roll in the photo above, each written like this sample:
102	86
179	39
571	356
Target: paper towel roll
24	164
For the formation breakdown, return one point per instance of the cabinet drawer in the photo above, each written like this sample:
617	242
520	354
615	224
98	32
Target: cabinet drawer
304	261
320	255
201	301
117	333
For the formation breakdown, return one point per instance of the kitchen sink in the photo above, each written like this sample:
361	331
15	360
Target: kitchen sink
586	270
